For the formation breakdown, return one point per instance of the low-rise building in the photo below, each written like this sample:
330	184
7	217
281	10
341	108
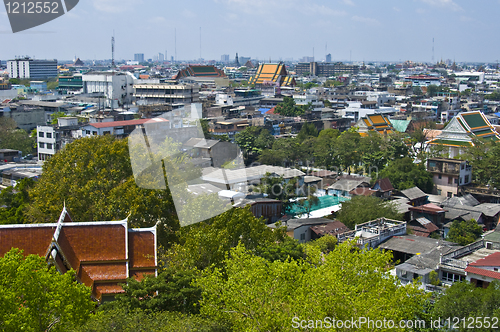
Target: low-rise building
449	175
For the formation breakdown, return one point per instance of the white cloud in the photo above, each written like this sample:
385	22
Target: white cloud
396	9
157	20
449	4
466	19
265	7
323	10
348	2
115	6
188	14
366	20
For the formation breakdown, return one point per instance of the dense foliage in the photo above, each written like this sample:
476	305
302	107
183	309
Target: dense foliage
361	209
36	298
93	177
253	294
464	232
13	138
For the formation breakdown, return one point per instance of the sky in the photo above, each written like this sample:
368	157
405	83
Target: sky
357	30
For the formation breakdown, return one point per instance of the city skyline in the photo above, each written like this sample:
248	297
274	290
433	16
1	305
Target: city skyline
349	30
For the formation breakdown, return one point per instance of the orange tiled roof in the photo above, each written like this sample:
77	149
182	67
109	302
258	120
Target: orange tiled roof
103	254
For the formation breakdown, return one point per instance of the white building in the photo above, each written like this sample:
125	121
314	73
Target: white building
118	88
31	68
51	139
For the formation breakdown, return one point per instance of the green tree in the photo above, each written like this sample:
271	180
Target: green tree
405	174
56	115
254	294
252	141
347	145
417	91
307	130
289	108
14	201
13	138
326	150
361	209
93	177
36	298
463	300
287	249
207	243
171	290
464	232
276	187
122	320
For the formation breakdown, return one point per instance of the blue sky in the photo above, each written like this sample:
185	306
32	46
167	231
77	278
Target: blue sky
368	30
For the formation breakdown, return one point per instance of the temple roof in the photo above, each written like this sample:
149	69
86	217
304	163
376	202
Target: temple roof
272	73
200	71
102	253
465	126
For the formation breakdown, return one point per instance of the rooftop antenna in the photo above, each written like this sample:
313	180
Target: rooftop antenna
200	43
313	54
326	47
113	53
175	44
432	49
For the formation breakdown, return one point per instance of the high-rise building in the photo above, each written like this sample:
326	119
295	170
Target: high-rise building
31	68
328	58
139	57
224	58
159	57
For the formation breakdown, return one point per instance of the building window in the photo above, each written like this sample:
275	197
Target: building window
450	180
466	179
302	237
456	181
452	277
439	176
49	135
449	194
41	145
439	191
40	134
49	146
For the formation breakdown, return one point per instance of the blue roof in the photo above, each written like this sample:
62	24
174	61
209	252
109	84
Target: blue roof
263	110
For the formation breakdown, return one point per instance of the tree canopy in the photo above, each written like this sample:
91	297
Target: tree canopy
289	108
344	283
13	138
361	209
93	177
464	232
405	174
464	300
36	298
14	201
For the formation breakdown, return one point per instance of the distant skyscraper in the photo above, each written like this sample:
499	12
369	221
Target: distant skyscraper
236	61
224	58
159	57
328	57
139	57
